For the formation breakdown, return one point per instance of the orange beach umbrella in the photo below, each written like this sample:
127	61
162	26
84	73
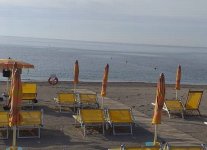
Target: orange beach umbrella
16	96
178	78
76	72
9	63
159	102
104	82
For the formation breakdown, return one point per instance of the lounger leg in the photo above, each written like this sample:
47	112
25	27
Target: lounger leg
39	132
199	112
169	114
113	130
182	113
103	129
17	132
60	108
131	129
7	133
84	130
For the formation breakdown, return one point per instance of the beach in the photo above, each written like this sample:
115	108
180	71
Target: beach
59	131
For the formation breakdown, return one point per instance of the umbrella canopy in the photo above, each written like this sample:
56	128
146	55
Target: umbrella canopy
178	78
9	63
76	72
159	101
16	95
104	82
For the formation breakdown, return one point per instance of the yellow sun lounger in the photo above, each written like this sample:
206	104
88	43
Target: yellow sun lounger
90	117
88	100
30	120
29	92
192	103
198	147
174	106
65	100
121	118
4	123
137	148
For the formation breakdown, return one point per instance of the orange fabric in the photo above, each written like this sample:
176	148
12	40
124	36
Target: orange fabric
76	72
8	63
159	101
104	82
16	95
178	78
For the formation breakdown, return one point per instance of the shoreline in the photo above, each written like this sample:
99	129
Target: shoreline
131	83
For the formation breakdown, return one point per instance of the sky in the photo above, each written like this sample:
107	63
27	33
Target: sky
163	22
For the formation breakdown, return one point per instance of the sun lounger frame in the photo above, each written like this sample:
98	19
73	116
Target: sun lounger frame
167	146
83	104
78	118
120	124
60	104
182	108
34	126
29	93
124	147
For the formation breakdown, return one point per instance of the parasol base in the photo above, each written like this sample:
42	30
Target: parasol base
14	148
152	144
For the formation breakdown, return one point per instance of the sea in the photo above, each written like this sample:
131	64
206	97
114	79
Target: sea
127	62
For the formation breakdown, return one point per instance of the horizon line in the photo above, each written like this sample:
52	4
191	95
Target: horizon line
104	42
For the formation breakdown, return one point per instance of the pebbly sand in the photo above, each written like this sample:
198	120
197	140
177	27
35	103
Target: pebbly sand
59	132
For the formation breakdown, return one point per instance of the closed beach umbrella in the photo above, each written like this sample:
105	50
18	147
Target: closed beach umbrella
104	82
76	74
178	78
16	96
159	102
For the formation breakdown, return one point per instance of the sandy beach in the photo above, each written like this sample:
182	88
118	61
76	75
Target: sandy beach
59	131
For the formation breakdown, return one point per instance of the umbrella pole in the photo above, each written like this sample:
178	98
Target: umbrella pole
176	94
155	136
74	87
14	137
102	101
7	87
